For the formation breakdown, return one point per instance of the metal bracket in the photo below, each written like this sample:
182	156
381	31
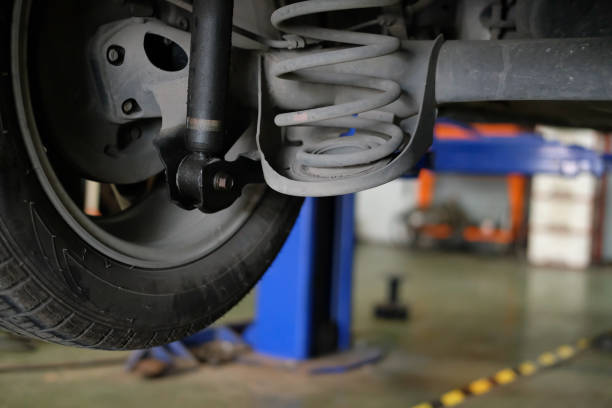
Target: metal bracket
210	185
124	73
134	93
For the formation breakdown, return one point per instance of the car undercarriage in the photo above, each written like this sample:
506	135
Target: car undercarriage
198	126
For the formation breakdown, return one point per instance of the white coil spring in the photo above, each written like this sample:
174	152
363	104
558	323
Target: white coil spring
375	141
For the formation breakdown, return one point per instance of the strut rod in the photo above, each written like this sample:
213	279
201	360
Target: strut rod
209	76
197	174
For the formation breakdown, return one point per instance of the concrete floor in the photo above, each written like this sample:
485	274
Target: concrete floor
472	316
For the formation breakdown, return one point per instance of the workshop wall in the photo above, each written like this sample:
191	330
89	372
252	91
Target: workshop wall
379	212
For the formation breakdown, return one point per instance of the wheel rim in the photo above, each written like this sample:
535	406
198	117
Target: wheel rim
154	234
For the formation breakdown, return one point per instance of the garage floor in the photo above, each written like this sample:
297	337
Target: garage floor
472	316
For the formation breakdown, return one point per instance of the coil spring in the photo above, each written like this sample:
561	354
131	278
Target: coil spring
375	141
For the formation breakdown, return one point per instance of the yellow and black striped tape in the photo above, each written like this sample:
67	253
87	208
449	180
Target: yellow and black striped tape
509	375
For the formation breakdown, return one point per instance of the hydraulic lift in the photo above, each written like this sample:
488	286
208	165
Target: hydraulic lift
304	300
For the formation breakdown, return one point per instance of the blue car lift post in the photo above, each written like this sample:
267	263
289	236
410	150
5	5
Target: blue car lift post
304	301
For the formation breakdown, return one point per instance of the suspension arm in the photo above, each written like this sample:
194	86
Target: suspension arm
477	71
525	70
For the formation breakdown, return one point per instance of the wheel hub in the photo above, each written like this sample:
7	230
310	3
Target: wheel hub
67	139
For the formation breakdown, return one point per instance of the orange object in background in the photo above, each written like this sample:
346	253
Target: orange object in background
446	131
426	188
438	231
497	236
498	129
450	131
517	185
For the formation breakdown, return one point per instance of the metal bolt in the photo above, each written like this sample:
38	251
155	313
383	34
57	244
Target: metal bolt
135	133
115	55
183	23
129	106
223	182
111	151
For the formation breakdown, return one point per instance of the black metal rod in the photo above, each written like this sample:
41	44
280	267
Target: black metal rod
209	75
394	284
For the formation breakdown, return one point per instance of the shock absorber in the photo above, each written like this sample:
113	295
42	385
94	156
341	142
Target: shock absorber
209	75
209	65
375	140
198	176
